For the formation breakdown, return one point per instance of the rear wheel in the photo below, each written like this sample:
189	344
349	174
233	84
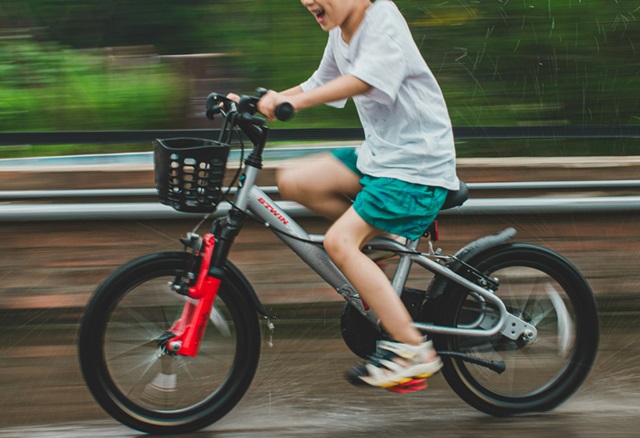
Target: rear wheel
544	290
133	378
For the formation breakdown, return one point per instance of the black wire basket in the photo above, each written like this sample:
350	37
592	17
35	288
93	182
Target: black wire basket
190	172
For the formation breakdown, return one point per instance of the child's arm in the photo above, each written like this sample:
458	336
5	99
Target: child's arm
292	91
342	87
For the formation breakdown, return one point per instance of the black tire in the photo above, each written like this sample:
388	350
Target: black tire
159	393
550	293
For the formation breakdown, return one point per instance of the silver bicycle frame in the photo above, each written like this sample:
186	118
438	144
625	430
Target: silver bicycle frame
309	248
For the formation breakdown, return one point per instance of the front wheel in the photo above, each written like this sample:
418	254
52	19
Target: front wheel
545	290
133	377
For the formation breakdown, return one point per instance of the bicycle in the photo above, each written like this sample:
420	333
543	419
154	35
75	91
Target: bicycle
516	324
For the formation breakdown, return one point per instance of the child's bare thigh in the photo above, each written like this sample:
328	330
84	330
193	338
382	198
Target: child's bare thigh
320	173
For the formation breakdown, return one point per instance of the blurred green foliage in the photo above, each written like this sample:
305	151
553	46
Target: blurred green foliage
534	61
499	62
44	86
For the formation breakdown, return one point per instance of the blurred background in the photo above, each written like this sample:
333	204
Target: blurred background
114	64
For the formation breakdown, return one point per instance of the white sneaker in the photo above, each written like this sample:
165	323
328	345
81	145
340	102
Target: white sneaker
395	364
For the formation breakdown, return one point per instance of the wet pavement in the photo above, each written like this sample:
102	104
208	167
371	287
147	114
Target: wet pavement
299	390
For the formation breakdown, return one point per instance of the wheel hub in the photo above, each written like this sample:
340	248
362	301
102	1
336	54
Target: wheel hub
165	346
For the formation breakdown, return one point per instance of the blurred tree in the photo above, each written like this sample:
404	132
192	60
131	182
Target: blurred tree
499	62
103	23
533	61
44	86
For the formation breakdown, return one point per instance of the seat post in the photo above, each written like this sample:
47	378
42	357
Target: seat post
404	266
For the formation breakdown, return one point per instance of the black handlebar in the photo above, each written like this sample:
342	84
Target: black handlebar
246	108
284	111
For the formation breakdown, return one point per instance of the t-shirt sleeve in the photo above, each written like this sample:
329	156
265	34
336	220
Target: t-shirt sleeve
381	62
326	72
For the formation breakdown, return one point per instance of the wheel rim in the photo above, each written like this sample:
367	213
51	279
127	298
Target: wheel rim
141	374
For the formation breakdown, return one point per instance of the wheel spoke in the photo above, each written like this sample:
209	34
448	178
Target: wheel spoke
220	323
565	323
148	364
129	347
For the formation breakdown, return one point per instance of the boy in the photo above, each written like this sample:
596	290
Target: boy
399	177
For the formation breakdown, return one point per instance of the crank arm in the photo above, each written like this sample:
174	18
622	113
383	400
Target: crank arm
497	366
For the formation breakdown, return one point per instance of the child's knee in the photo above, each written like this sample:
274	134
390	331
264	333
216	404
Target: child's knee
287	182
337	246
331	244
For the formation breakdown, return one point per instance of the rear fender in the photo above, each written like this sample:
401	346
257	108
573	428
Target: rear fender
440	282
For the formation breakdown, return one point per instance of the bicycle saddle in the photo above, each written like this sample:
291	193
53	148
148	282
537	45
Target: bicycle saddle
456	198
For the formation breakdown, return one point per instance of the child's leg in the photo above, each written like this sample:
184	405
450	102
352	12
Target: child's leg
323	184
403	365
343	243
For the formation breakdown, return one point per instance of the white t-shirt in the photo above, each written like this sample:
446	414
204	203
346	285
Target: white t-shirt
408	133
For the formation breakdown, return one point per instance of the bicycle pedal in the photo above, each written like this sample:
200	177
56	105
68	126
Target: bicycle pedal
410	386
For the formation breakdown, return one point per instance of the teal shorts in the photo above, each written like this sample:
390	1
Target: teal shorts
395	206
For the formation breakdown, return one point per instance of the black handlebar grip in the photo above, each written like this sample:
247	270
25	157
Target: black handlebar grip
284	111
213	100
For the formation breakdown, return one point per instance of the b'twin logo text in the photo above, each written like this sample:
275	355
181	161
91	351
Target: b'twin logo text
273	211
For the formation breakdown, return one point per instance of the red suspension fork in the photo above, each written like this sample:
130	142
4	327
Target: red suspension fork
190	327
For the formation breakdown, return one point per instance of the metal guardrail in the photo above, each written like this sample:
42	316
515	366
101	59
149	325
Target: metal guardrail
154	210
8	195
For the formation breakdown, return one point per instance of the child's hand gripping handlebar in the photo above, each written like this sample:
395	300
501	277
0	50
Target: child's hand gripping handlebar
245	106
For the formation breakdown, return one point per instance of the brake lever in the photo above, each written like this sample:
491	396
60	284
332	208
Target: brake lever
213	111
248	105
213	100
213	105
254	120
219	104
